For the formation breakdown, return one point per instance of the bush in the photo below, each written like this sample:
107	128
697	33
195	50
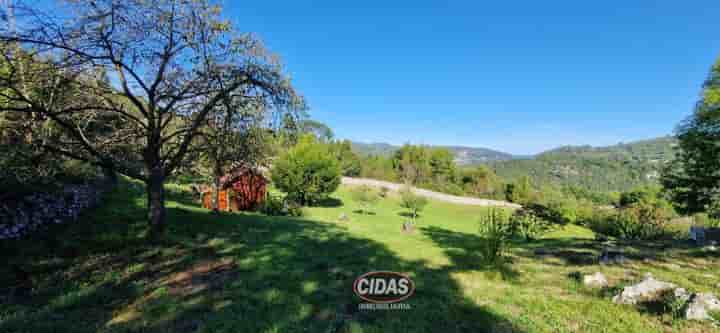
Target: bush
294	209
273	205
673	304
495	232
520	191
565	211
365	196
713	209
276	205
642	195
525	224
704	220
412	202
307	172
640	221
597	219
585	210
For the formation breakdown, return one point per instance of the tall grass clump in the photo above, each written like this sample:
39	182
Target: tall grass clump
495	232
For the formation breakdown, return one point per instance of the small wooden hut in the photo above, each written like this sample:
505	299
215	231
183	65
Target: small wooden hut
243	188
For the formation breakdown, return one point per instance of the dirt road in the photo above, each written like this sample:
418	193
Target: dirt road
429	194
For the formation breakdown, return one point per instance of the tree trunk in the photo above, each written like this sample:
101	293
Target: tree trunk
216	193
216	196
111	178
156	205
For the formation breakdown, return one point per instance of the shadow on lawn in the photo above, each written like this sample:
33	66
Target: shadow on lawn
227	273
409	215
329	202
464	250
587	252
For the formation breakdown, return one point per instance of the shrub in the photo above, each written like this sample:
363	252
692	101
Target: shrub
640	221
272	206
565	211
294	209
598	220
276	205
495	232
525	224
704	220
627	225
365	196
641	195
585	211
307	172
412	202
673	304
713	209
520	191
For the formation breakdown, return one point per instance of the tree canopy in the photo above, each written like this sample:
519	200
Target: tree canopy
693	178
307	172
128	85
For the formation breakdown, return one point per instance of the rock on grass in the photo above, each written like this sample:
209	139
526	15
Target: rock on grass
701	305
648	289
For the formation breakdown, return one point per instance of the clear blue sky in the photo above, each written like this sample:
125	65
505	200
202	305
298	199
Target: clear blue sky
518	76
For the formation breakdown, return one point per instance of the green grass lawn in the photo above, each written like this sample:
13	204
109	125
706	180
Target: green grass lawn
252	273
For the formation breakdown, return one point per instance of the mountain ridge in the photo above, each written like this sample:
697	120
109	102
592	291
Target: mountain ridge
467	155
464	155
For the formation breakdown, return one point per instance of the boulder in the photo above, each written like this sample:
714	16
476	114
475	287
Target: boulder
649	289
596	280
701	305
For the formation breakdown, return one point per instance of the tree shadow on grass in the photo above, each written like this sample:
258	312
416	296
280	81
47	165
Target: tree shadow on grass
464	251
408	215
329	202
364	212
227	273
587	252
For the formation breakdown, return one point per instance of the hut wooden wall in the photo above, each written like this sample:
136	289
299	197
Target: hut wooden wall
222	200
250	190
245	192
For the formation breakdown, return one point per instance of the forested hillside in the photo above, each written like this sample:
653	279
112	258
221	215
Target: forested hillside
463	155
612	168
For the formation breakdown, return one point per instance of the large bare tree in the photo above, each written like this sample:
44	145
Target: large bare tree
131	83
236	136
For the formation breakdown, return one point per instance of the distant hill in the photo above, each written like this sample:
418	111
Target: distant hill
463	155
612	168
377	148
470	155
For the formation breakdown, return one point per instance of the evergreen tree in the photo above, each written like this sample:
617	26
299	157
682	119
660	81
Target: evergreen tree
693	178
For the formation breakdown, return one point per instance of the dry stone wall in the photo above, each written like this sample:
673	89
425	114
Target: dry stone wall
22	216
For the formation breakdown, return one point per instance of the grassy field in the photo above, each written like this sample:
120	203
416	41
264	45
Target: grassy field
251	273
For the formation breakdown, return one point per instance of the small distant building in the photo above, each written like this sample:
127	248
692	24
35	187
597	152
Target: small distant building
243	188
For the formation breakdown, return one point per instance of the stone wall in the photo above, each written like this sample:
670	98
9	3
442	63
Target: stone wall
23	216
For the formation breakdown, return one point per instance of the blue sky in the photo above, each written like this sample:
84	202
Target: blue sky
518	76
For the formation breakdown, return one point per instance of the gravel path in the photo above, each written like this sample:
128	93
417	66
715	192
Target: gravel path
429	194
